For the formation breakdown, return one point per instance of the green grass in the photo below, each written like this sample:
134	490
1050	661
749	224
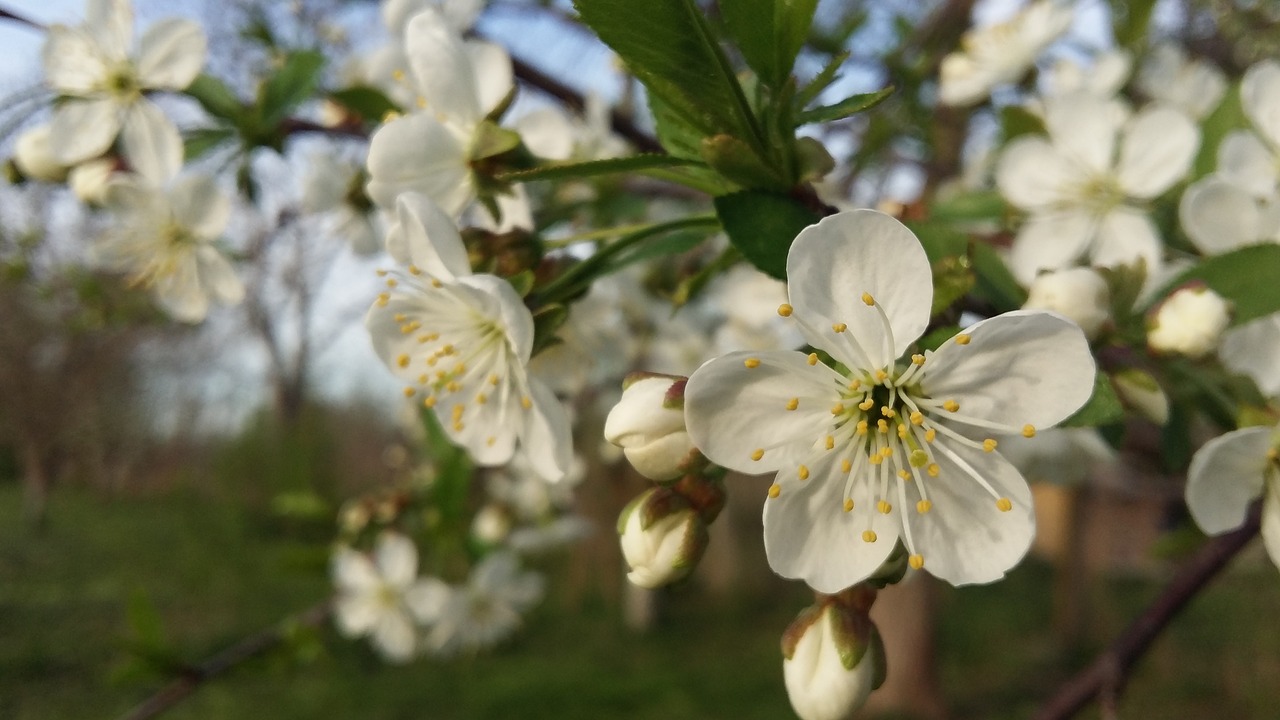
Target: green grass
216	572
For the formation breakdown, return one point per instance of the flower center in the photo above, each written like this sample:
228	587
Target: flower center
122	83
1101	194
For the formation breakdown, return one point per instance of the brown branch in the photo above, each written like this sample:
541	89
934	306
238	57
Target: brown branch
10	15
247	649
1105	678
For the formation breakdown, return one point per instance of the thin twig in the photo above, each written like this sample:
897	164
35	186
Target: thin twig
1105	678
247	649
9	15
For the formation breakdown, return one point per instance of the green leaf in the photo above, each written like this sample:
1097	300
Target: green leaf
216	98
1103	408
995	283
145	629
680	138
692	286
1132	19
669	46
849	106
952	280
1246	277
1228	116
546	321
293	83
979	205
368	102
1016	120
593	168
491	140
769	33
940	240
933	339
762	226
201	140
733	159
676	243
822	80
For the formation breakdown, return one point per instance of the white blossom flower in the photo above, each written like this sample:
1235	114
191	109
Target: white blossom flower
334	188
163	236
747	298
1078	294
1102	77
383	597
388	66
1189	322
880	450
1083	186
488	608
1251	349
33	154
102	82
1228	474
462	344
1000	53
429	149
1193	86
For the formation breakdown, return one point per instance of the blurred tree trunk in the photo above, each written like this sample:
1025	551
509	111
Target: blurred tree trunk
906	616
36	478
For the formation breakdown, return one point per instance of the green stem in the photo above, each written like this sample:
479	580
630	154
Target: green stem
569	283
595	235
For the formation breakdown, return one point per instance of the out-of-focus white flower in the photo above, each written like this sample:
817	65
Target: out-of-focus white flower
662	538
881	449
491	525
335	188
429	149
597	344
1062	456
34	156
462	342
1251	349
1101	78
1083	185
1143	393
387	67
1078	294
648	424
748	297
1189	322
102	81
1000	53
89	180
1228	474
383	597
487	609
163	236
832	659
1193	86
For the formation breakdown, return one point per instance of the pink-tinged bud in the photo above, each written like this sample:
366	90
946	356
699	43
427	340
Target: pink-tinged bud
662	538
832	659
1189	322
648	424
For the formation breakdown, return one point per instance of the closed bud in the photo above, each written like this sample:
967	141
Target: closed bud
1140	391
1078	294
491	525
648	424
89	180
832	659
34	156
1189	322
662	538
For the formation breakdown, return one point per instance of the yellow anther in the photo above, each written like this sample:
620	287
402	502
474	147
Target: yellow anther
392	282
1028	431
436	283
930	434
421	103
1004	504
415	270
803	472
881	376
431	361
918	458
866	298
774	491
793	403
875	459
866	404
453	386
813	358
861	427
963	339
383	299
904	474
459	369
751	363
429	401
458	410
380	272
493	379
923	506
410	392
855	384
883	507
934	469
757	454
403	360
410	327
917	359
389	115
837	409
831	442
989	445
882	426
902	431
400	317
845	466
526	402
424	339
397	75
887	411
423	378
839	327
951	406
869	536
916	561
917	418
886	452
482	399
785	310
458	427
490	441
848	505
447	349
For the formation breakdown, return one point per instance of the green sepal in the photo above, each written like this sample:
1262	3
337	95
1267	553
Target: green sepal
546	321
292	84
796	630
736	161
370	103
523	282
491	140
216	98
813	159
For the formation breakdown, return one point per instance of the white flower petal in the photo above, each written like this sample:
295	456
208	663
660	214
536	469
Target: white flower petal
494	75
427	237
394	636
418	153
181	294
151	143
1245	160
218	277
171	54
546	435
110	22
1251	349
877	255
965	538
73	64
1031	174
397	559
503	303
1156	150
1082	128
1225	476
353	571
356	614
808	535
442	67
732	409
1260	96
1050	241
427	599
547	133
1125	236
1219	216
200	206
1271	518
83	129
1025	367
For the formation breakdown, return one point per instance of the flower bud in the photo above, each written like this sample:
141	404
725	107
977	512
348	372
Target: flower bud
662	538
1078	294
648	424
832	659
1140	391
34	157
1189	322
491	525
89	180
